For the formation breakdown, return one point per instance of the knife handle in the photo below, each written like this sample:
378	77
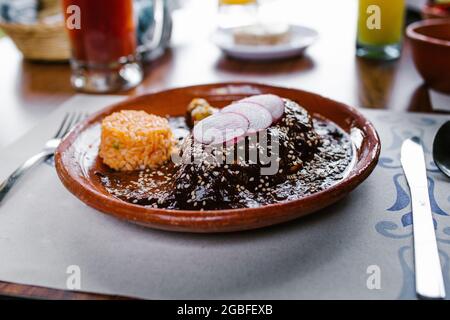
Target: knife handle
429	280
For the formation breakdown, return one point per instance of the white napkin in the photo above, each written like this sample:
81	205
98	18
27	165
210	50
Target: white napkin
439	101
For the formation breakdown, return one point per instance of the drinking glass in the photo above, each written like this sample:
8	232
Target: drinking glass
103	39
237	13
380	28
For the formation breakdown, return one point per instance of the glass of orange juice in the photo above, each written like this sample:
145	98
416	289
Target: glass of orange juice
380	28
237	13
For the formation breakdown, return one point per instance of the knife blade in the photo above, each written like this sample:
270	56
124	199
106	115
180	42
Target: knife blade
428	272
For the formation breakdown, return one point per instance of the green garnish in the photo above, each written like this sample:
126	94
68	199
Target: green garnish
116	145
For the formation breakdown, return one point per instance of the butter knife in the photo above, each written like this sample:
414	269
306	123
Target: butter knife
429	280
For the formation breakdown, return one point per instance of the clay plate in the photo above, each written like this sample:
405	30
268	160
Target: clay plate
76	161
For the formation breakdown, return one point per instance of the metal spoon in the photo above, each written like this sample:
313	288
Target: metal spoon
441	149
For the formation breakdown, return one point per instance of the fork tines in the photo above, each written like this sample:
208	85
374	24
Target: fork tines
69	121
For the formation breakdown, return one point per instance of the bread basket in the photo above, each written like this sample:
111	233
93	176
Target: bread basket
44	40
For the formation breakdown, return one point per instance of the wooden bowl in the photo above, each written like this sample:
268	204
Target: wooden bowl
430	41
76	161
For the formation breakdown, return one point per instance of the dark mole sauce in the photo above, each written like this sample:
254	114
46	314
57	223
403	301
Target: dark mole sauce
315	154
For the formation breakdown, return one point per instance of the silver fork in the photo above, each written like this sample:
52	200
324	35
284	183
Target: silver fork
68	122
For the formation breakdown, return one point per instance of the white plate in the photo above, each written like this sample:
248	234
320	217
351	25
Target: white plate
302	38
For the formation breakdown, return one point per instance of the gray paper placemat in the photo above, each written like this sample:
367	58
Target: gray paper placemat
359	248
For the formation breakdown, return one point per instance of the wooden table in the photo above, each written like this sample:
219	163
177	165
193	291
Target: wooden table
29	91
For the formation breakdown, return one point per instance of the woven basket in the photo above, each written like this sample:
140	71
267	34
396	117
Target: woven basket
41	41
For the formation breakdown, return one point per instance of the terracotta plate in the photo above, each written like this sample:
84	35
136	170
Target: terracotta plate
76	160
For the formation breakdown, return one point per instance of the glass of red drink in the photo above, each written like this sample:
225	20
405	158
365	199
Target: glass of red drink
102	34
